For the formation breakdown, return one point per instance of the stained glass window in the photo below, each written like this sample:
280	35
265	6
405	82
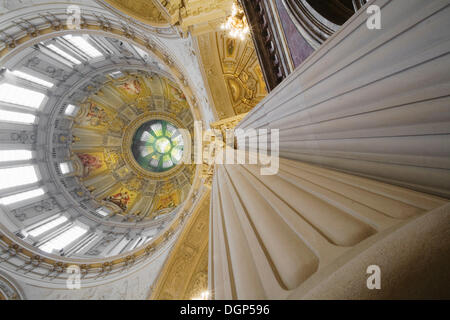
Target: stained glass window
158	146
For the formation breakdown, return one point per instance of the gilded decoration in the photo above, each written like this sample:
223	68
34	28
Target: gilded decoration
185	274
142	10
218	138
233	72
102	154
195	15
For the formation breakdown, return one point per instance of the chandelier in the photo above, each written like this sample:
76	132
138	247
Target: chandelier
236	24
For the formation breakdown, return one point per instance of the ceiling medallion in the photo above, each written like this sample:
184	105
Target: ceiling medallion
153	146
158	146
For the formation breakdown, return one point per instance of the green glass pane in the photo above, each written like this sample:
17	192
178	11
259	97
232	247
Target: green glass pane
158	146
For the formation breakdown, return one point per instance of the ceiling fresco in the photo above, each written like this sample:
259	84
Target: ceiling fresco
134	106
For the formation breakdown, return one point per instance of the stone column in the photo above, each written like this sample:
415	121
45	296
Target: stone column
372	106
273	236
372	102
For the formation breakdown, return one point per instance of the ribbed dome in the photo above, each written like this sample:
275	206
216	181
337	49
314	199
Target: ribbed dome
127	145
99	196
73	95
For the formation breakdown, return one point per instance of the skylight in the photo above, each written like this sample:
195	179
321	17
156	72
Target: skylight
171	130
47	226
18	176
147	136
65	167
84	46
103	212
64	239
64	54
10	116
17	95
22	196
31	78
157	129
116	74
15	155
71	110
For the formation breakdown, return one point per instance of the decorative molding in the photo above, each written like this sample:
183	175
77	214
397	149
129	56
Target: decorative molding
233	73
8	289
184	275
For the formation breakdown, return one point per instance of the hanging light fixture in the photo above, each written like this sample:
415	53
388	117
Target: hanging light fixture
236	24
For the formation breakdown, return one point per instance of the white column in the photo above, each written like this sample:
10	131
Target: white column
271	234
372	102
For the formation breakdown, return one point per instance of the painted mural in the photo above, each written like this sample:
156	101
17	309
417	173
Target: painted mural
96	117
122	198
131	87
102	163
92	163
176	94
165	201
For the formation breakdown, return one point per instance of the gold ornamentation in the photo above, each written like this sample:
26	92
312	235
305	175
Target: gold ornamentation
112	164
233	73
183	276
142	10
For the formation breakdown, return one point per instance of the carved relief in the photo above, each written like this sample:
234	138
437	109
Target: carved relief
234	74
9	291
24	137
35	209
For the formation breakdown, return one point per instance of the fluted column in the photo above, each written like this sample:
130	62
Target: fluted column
372	102
365	147
272	234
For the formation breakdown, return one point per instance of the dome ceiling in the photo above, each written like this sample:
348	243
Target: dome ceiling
84	101
127	146
86	97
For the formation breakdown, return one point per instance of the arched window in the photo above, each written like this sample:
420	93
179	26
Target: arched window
64	239
10	93
17	176
31	78
82	43
19	197
18	117
15	155
37	231
71	110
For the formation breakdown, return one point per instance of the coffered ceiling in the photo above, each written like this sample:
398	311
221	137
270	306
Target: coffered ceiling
233	73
